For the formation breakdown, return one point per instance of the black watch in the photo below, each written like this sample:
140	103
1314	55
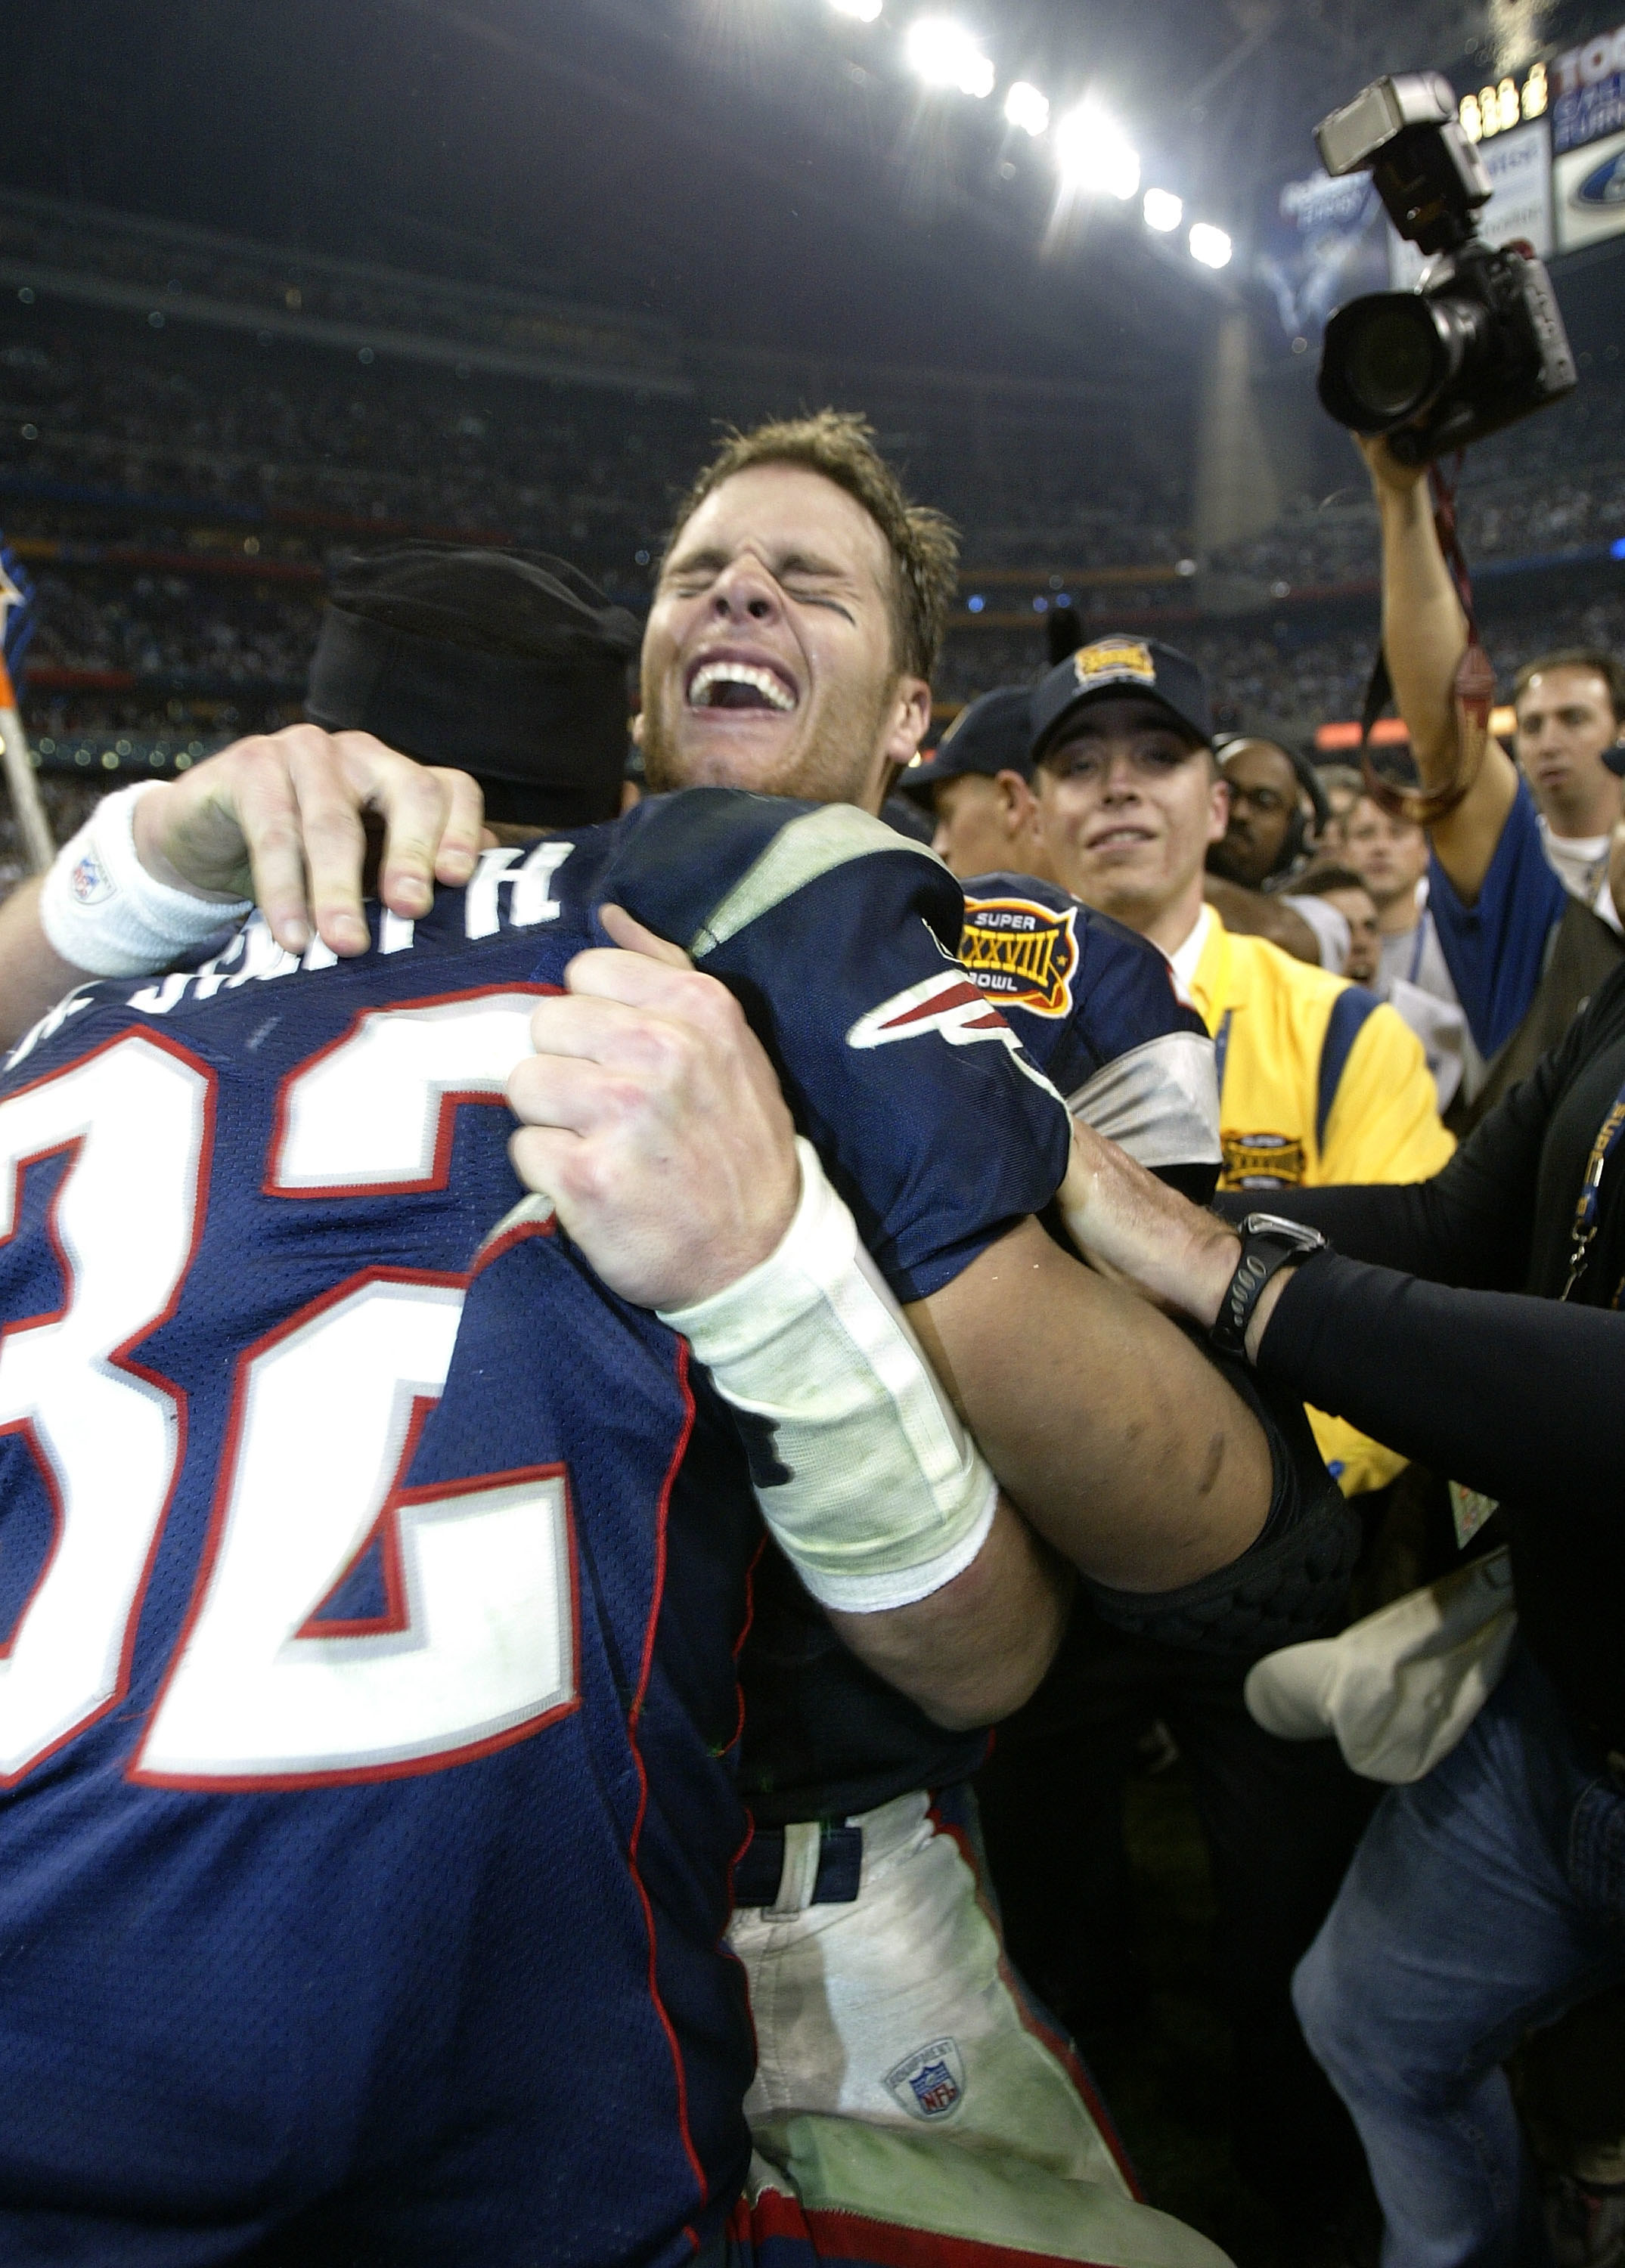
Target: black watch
1268	1244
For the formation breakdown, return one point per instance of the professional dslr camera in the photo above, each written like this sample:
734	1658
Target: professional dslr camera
1479	341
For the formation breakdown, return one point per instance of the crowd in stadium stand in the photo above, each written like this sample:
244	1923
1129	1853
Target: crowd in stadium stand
180	510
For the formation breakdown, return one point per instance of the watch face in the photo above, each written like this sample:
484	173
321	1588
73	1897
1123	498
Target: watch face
1289	1232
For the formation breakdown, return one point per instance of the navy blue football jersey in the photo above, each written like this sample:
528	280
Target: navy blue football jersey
369	1576
1096	1007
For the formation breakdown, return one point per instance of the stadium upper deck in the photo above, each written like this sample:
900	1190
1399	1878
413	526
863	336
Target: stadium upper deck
188	427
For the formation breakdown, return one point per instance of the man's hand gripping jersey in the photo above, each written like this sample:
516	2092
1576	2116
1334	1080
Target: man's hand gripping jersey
314	1458
370	1589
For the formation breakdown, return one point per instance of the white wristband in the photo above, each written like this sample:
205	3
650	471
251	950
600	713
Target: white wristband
103	912
884	1497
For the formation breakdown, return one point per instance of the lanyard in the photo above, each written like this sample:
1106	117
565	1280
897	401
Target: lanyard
1420	945
1586	1206
1221	1049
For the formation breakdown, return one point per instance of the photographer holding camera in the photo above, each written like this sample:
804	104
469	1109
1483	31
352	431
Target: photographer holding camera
1524	852
1518	893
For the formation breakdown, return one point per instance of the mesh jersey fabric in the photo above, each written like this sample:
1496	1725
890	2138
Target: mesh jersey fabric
443	1990
824	1736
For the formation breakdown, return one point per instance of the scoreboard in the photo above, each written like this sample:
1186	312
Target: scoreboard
1551	139
1568	113
1588	140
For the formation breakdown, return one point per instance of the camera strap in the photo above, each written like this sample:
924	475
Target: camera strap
1474	688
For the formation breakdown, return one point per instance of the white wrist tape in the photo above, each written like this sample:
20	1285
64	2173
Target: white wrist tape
102	911
884	1498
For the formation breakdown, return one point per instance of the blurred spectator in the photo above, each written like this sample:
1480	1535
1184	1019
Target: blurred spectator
1274	807
1570	710
1341	887
1275	811
1391	857
978	785
1343	787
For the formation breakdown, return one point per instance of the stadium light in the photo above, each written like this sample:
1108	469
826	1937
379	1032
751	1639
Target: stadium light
865	11
945	55
1210	246
1026	107
1093	153
1163	212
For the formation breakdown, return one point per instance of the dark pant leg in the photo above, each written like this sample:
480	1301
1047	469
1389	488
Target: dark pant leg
1281	1819
1051	1807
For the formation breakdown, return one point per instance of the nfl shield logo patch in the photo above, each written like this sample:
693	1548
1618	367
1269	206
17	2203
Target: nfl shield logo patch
88	881
929	2083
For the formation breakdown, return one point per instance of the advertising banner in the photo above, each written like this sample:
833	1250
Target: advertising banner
1588	188
1588	92
1321	245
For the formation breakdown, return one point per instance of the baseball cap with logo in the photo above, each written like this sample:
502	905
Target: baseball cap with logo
1109	667
990	736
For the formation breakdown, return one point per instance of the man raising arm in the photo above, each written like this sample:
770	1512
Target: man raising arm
1511	852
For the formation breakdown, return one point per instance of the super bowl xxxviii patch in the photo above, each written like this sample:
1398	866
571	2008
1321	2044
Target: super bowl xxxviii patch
929	2083
1260	1162
1020	953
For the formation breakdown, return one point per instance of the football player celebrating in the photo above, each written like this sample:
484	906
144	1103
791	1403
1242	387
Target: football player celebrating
824	601
376	1565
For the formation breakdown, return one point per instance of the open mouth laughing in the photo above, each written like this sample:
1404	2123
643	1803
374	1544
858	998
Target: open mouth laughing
724	681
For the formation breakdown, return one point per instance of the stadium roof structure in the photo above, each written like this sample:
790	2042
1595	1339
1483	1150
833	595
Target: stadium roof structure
767	173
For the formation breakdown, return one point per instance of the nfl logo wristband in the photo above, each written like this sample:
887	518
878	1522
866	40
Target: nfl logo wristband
1268	1244
102	912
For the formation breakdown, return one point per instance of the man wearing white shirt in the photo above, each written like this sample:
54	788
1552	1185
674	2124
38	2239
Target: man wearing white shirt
1390	855
1571	709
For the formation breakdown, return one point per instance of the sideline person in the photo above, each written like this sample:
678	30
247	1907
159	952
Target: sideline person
1341	887
1528	838
1391	855
1319	1082
1312	1070
1274	813
977	783
1473	1320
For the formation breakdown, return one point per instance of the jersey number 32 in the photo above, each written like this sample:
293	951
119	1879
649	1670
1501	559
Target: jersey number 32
477	1647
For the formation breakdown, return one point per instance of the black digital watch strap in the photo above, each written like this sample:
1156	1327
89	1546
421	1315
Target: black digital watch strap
1268	1244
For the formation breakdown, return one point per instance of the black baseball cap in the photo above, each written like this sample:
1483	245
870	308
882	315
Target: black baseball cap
993	734
1114	666
509	665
